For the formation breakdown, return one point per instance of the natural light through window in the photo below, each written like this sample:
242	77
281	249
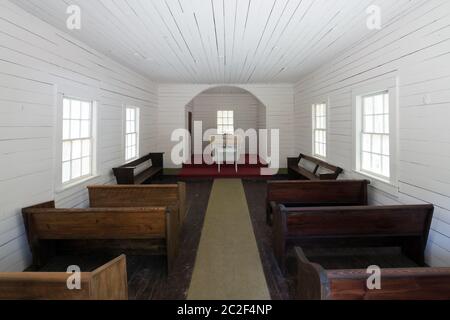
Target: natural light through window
77	140
375	145
132	133
320	130
225	122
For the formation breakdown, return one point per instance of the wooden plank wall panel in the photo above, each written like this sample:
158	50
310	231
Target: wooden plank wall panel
415	48
277	98
38	62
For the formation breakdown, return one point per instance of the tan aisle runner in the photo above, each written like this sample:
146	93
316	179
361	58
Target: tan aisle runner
228	265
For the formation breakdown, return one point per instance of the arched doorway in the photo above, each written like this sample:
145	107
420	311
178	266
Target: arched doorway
247	112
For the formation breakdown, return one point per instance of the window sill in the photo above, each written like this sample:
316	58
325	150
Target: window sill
77	183
378	183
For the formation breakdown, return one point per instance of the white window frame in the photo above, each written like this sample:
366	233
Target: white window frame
137	113
227	118
390	86
59	184
315	129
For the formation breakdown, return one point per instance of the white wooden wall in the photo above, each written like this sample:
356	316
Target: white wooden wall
415	48
277	98
37	62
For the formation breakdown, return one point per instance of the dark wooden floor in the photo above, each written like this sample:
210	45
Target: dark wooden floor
255	191
147	276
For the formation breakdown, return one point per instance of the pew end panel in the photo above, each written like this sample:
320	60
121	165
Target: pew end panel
108	282
313	282
316	193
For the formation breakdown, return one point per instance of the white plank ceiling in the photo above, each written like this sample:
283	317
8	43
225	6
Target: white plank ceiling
219	41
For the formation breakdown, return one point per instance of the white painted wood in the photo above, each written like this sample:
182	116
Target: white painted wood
220	41
414	48
37	63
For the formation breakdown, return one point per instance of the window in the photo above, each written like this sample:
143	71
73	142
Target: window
131	133
77	140
320	130
225	122
374	136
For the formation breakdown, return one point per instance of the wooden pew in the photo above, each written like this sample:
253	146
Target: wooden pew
314	282
399	226
309	168
316	193
131	173
172	196
108	282
140	231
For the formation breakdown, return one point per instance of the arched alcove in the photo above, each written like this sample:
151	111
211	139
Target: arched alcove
249	111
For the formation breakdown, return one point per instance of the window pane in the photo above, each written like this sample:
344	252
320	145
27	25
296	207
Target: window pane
386	167
386	103
379	124
67	149
376	144
379	104
75	129
86	166
86	148
85	129
386	149
386	124
66	172
76	169
366	161
368	105
376	163
367	142
76	149
368	124
66	129
75	110
85	111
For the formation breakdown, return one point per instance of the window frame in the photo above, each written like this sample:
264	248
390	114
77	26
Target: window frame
389	86
221	132
137	120
59	102
315	129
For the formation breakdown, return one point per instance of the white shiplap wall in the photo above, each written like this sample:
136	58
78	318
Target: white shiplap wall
278	100
414	49
38	63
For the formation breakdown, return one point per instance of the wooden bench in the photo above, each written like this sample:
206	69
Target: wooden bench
399	226
109	282
314	282
138	231
172	196
316	193
141	171
308	168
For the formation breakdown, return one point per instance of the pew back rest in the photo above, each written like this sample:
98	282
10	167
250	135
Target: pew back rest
117	196
403	226
371	221
311	193
96	224
109	282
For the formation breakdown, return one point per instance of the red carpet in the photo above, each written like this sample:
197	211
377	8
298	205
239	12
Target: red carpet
226	171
